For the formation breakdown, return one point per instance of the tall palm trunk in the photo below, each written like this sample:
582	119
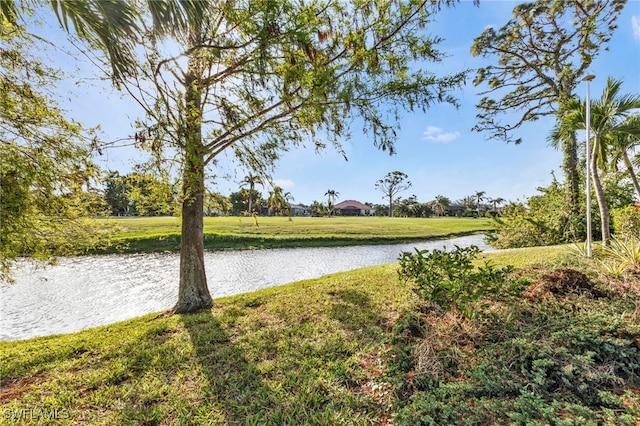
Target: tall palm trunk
193	293
569	147
632	173
250	197
602	201
572	183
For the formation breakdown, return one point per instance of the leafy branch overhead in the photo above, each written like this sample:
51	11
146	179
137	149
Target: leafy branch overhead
274	74
259	78
541	54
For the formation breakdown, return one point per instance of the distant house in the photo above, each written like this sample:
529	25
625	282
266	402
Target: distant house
298	210
456	209
353	208
452	209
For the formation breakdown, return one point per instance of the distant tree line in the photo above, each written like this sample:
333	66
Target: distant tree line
148	193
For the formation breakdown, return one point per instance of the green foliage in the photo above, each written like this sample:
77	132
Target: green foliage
151	194
541	222
217	204
410	207
239	201
622	255
626	222
450	279
279	202
46	173
140	193
562	359
392	184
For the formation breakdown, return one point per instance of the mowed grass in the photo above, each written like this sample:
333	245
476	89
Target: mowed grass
163	233
315	352
307	353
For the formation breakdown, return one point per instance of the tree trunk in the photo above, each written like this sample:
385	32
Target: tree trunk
572	185
390	206
193	293
634	178
602	201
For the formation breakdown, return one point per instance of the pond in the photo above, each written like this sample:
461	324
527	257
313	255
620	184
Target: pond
88	291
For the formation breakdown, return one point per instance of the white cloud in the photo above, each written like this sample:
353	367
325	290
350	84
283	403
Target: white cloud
435	134
284	183
635	25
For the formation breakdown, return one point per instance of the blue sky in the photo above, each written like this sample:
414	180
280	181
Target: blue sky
437	149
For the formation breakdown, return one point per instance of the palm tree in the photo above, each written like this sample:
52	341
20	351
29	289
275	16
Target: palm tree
108	25
610	117
441	205
468	202
496	202
331	198
251	181
279	201
479	196
332	194
623	143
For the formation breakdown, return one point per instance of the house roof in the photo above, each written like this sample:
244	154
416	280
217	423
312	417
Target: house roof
352	204
297	206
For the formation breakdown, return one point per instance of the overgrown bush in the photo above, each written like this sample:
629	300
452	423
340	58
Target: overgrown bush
544	219
450	279
541	221
626	222
566	358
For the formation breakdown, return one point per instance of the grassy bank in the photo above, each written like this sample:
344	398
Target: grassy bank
163	233
343	349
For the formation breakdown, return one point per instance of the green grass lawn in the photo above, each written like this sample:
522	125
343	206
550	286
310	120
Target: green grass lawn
334	350
163	233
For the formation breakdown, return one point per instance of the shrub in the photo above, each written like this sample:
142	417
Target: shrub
541	221
626	222
450	279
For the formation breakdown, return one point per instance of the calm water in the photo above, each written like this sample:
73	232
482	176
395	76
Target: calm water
83	292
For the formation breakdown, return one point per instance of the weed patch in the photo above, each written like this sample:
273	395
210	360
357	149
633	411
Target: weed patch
569	355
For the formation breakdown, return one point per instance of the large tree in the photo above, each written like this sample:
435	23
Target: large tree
258	77
611	118
540	56
391	185
46	174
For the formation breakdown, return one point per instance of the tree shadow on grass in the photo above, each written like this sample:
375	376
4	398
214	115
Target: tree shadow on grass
233	383
284	372
353	309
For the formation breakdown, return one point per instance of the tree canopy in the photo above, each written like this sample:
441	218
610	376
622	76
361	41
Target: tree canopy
542	53
258	78
46	173
540	56
391	185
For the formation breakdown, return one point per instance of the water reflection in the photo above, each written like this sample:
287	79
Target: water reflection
83	292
